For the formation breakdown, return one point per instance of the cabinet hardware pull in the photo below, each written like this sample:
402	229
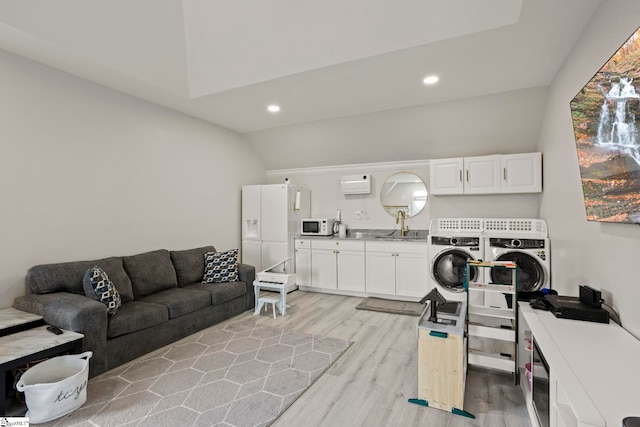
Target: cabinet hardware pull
504	173
460	175
438	334
467	175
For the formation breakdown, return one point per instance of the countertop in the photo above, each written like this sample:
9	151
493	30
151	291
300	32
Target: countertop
377	234
599	359
458	316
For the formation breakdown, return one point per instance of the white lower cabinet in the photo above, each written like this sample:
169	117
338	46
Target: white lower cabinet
381	273
351	271
397	268
337	265
324	269
411	274
360	267
590	383
303	262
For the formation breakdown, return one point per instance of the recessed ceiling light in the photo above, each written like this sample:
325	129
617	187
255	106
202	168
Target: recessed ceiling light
273	108
429	80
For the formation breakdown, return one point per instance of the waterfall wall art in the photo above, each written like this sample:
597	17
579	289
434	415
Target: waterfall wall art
605	114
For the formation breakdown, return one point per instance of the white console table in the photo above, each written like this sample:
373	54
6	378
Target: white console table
594	374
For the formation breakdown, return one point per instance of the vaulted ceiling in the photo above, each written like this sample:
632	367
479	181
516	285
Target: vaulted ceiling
226	61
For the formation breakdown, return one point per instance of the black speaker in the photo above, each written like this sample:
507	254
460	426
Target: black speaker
590	296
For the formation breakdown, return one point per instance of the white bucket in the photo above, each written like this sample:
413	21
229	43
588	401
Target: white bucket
55	387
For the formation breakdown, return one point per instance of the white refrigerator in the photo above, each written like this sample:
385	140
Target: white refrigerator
271	217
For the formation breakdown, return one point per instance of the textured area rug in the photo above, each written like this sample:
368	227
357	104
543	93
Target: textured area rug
391	306
237	374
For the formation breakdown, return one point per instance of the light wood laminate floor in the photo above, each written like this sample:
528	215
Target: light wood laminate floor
371	383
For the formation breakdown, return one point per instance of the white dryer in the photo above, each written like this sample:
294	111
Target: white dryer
531	255
453	241
523	241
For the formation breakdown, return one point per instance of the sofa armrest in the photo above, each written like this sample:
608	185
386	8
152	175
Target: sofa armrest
73	312
66	310
247	274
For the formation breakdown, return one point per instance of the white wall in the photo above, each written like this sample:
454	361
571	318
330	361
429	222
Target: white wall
605	256
87	172
503	123
326	197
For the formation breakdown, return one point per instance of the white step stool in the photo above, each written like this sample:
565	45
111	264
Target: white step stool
268	300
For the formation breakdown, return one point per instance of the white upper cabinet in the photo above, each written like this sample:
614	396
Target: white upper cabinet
446	176
522	173
482	175
513	173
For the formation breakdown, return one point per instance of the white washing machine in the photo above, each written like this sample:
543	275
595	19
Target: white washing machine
453	241
523	241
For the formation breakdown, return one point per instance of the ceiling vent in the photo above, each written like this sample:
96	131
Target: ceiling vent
356	184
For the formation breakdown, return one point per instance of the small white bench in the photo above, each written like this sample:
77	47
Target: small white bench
264	301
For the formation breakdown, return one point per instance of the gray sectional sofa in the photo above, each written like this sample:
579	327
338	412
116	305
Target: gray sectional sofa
163	300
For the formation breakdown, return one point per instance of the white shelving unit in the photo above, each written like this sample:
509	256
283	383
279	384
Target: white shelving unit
493	324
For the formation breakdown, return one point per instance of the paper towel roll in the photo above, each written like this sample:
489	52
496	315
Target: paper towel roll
296	204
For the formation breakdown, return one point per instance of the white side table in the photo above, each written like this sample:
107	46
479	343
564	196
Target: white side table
282	303
13	320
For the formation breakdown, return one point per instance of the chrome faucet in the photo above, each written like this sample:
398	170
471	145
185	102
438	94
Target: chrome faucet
401	216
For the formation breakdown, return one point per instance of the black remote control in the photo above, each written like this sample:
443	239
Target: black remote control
54	330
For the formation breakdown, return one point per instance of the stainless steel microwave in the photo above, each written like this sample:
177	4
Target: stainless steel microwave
316	227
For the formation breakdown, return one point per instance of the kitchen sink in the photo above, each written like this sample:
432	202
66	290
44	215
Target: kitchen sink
400	238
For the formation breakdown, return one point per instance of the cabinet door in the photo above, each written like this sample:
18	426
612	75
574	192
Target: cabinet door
274	212
482	175
446	176
441	370
273	253
381	273
351	270
324	274
303	267
251	220
411	275
522	173
252	253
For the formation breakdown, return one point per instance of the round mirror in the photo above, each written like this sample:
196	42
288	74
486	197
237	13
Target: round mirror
403	191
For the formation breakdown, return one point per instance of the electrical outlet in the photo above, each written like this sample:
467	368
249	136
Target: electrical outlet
360	214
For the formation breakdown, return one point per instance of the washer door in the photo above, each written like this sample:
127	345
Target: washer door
531	274
448	269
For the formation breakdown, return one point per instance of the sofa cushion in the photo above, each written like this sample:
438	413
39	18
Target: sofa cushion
97	286
180	301
150	272
68	277
134	316
222	292
189	264
220	267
